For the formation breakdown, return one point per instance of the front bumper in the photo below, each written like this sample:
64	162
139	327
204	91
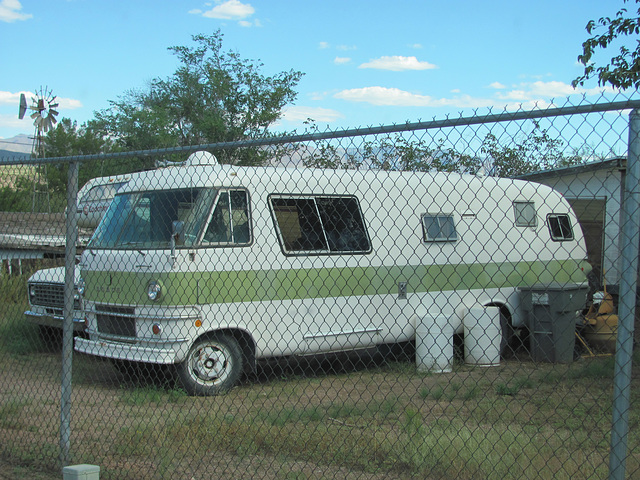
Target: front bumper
123	351
54	320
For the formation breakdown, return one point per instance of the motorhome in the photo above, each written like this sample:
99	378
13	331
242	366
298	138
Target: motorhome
45	287
94	199
211	267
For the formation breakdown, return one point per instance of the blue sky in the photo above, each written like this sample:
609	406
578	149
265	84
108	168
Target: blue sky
365	62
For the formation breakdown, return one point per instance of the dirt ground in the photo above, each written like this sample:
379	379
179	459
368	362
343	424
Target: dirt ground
106	405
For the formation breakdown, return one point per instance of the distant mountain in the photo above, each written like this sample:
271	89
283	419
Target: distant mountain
8	154
18	144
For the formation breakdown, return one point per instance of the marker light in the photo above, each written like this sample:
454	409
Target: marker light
154	290
156	329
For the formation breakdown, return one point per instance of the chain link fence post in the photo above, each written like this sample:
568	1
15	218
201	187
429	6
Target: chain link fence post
626	308
71	235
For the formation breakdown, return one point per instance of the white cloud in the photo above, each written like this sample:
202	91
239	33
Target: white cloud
10	11
398	63
229	10
341	60
299	114
537	90
12	121
11	98
527	95
399	98
69	103
497	86
323	45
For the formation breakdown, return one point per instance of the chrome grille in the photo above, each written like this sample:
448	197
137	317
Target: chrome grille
50	295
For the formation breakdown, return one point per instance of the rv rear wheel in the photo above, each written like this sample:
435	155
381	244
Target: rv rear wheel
213	365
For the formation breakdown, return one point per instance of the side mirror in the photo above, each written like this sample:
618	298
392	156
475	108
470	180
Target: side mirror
177	232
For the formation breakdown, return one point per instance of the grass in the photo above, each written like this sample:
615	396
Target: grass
151	394
539	420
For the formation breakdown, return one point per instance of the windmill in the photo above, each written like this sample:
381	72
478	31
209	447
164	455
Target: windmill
43	106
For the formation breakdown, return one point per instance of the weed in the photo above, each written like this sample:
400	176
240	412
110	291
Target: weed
151	394
504	389
11	412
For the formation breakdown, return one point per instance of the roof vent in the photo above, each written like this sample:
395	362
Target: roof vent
201	158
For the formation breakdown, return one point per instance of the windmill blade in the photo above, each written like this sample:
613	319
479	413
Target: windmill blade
23	106
53	120
53	112
35	114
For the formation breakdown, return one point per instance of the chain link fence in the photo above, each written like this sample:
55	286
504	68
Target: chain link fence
445	299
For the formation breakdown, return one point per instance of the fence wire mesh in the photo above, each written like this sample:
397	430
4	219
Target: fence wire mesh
394	302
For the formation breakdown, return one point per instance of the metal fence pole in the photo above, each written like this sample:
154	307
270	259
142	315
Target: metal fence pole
67	330
627	303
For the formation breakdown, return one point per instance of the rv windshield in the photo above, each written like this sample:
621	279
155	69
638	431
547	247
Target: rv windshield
145	219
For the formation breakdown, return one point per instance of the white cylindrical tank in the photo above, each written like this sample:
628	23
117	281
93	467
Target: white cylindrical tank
482	336
434	344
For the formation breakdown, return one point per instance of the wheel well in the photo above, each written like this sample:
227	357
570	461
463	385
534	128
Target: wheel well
245	342
504	311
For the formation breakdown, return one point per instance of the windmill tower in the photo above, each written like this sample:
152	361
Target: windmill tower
44	114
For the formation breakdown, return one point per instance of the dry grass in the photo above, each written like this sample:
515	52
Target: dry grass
347	417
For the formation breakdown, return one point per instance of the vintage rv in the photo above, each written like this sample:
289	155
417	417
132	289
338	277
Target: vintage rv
45	287
94	199
211	267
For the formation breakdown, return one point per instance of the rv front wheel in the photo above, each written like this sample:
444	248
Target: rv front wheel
212	367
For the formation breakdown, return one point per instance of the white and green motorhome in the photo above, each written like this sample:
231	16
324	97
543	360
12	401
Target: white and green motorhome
45	288
210	267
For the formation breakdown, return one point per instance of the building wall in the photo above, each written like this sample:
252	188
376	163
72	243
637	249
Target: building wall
601	184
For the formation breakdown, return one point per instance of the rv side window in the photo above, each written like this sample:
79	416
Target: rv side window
560	227
438	228
102	192
229	223
316	225
525	213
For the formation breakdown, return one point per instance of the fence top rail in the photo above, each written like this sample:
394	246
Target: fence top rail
448	122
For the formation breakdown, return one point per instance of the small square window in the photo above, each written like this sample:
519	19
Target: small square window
525	213
438	228
560	227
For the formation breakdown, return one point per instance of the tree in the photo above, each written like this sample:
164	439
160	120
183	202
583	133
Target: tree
67	139
534	152
212	97
623	71
392	153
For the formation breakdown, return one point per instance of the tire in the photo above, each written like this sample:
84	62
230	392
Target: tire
212	367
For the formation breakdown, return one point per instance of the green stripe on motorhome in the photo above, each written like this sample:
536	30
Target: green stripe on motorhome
189	288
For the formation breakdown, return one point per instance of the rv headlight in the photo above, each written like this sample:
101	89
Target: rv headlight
32	290
154	290
81	287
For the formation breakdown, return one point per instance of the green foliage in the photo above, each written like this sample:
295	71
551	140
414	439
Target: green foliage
213	96
623	70
394	153
17	198
529	152
67	139
532	152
